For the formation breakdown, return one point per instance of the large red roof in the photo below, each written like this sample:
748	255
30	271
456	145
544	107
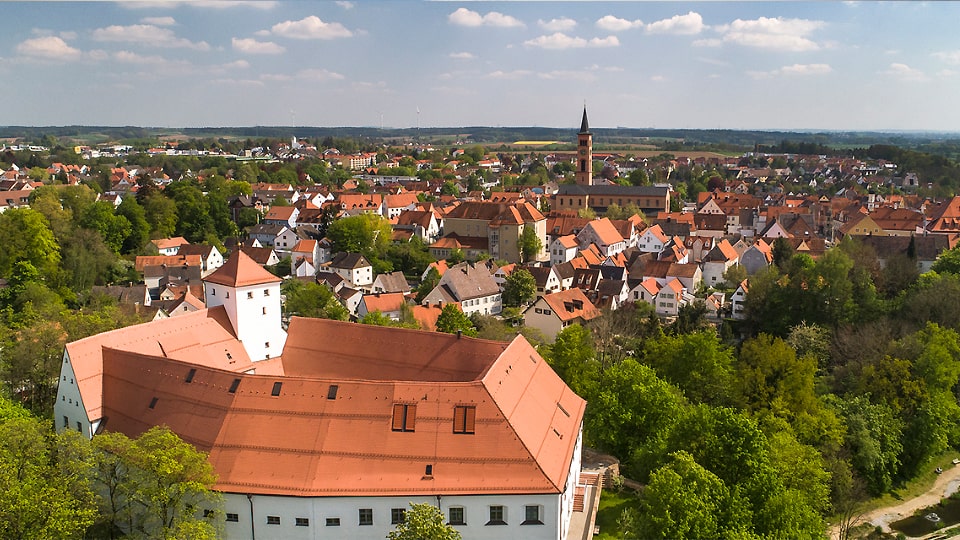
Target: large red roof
313	440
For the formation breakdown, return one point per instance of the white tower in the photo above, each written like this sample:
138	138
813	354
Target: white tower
251	296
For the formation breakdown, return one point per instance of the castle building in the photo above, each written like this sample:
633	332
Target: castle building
587	192
331	429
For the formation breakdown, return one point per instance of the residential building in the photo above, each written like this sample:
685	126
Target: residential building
469	284
551	313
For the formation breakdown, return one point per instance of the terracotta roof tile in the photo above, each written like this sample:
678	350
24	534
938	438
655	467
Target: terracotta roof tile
240	271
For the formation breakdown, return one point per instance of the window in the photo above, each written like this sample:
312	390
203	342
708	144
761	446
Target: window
234	385
273	520
190	375
366	516
404	417
332	391
331	522
153	402
227	295
249	294
266	292
208	513
66	421
397	515
276	389
497	516
531	515
264	310
79	427
456	515
233	518
464	418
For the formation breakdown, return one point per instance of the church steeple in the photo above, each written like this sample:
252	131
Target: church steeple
584	174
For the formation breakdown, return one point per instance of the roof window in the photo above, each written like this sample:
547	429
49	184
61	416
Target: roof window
190	375
153	402
234	385
332	391
276	388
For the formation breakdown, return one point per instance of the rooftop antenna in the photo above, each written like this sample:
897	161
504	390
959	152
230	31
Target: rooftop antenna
418	121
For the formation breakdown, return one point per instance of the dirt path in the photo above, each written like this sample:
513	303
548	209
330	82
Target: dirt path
945	485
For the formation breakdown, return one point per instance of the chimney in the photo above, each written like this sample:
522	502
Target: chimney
459	334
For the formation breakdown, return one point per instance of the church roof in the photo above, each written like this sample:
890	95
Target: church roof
240	271
584	125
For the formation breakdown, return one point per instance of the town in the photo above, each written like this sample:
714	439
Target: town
313	314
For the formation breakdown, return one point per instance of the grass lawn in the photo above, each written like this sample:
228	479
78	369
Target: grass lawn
611	505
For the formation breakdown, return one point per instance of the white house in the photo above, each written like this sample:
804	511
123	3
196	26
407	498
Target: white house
353	267
604	235
652	240
551	313
563	249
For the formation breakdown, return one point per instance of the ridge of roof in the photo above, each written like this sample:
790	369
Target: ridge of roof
241	271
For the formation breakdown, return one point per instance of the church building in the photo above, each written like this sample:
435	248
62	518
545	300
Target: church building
597	193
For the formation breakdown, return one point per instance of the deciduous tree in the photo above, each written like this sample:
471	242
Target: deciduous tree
423	521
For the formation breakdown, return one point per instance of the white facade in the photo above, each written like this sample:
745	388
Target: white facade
484	305
68	411
253	311
268	517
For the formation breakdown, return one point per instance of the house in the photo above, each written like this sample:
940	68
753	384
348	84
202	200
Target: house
645	291
471	285
353	267
484	429
738	301
670	298
611	294
388	304
159	277
423	223
757	257
210	256
264	256
501	224
169	246
652	240
717	262
282	215
546	278
304	257
553	312
563	249
267	234
392	282
604	235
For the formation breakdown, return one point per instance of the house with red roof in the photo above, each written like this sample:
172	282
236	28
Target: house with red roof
484	429
604	235
551	313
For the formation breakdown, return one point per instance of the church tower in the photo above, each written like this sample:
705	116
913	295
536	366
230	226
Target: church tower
251	297
584	175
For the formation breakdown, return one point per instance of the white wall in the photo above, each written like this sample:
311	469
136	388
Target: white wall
69	404
318	509
254	311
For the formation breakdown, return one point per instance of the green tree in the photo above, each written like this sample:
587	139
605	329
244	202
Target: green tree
698	363
684	500
948	262
573	357
423	522
363	233
452	320
139	227
429	283
311	300
26	235
874	441
519	288
782	253
44	491
771	377
530	243
161	213
114	228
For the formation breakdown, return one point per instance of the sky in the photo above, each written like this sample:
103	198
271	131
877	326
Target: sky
402	63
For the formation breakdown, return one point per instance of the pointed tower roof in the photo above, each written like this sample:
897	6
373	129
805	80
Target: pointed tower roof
239	271
584	125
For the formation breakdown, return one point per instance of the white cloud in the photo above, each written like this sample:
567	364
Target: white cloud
562	24
560	41
128	57
685	25
950	57
462	56
252	46
946	73
567	75
239	64
344	4
217	4
159	21
769	33
304	74
515	74
147	34
465	17
710	42
905	73
806	69
793	70
48	48
311	27
658	78
616	24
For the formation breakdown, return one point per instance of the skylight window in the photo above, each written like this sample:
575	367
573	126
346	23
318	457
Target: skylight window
332	391
276	388
234	385
190	375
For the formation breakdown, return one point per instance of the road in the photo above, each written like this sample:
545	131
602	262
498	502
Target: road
946	484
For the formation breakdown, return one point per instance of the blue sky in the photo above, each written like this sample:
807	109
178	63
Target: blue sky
736	65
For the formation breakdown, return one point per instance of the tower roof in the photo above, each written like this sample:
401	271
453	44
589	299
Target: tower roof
584	125
239	271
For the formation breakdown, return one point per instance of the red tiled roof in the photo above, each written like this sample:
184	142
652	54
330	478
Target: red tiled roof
302	443
239	271
571	304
